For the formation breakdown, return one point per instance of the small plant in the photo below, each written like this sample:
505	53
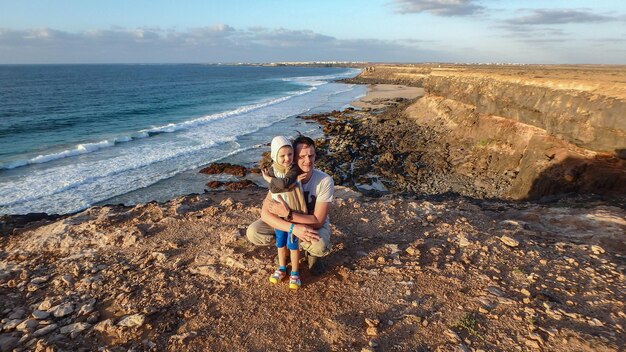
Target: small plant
483	142
519	271
468	322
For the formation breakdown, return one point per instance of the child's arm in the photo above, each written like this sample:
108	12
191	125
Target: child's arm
266	176
283	184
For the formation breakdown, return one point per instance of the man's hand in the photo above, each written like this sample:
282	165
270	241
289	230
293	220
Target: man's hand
278	208
305	233
302	177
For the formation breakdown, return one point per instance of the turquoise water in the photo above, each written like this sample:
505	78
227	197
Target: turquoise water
76	135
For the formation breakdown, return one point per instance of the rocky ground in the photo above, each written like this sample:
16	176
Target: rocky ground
405	274
425	257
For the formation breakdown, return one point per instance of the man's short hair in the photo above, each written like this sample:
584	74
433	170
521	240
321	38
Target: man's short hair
303	140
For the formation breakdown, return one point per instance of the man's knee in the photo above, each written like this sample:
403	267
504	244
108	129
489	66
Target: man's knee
258	234
320	248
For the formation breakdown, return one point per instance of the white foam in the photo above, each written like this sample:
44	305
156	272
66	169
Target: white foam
169	128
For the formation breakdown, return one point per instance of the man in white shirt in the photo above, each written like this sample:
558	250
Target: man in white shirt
313	229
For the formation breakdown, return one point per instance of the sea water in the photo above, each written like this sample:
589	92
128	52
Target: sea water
72	136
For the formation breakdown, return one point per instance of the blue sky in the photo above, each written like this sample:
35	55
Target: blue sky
141	31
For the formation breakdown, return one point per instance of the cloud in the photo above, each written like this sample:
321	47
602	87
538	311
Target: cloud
559	16
523	31
215	43
439	7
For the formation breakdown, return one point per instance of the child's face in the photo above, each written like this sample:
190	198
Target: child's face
285	156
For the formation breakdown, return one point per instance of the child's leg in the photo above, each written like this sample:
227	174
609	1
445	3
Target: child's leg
281	241
294	278
281	244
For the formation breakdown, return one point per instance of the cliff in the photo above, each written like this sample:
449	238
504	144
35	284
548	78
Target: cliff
545	129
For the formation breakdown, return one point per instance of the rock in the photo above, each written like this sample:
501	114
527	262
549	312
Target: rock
8	342
62	309
371	331
224	168
239	185
18	313
183	338
536	337
66	279
40	315
464	242
452	336
597	249
86	309
45	330
105	326
158	256
39	280
412	251
209	271
27	325
11	324
45	305
235	264
372	322
74	329
128	240
227	203
509	241
531	343
495	291
372	327
525	292
131	321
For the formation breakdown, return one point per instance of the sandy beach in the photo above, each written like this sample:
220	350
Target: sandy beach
378	93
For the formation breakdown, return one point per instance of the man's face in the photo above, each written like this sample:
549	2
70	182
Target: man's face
305	157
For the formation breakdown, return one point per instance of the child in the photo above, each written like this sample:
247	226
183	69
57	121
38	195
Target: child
282	178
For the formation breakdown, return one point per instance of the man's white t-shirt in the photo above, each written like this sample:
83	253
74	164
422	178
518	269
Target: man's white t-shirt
320	188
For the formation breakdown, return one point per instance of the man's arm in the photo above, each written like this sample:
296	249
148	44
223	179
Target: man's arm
302	231
315	220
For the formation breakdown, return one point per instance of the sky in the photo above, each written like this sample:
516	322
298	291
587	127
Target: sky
206	31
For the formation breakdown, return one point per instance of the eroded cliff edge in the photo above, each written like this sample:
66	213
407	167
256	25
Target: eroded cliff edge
546	129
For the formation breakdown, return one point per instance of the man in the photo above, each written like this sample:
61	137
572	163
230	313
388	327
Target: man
313	229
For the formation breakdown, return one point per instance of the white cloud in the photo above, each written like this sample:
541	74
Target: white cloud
215	43
439	7
560	16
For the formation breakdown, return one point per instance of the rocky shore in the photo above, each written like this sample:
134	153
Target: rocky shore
438	245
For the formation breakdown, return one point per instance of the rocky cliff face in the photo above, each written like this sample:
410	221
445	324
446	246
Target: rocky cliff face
587	118
539	130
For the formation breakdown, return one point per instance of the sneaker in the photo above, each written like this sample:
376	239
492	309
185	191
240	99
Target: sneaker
294	282
277	276
316	265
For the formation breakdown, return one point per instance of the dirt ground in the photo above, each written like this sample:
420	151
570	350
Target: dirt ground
404	274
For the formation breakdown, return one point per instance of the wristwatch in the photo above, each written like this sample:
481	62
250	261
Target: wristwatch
289	215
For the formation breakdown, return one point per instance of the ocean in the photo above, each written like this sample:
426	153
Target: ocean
73	136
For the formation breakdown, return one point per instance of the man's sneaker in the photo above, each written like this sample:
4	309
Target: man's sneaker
277	276
316	265
294	282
